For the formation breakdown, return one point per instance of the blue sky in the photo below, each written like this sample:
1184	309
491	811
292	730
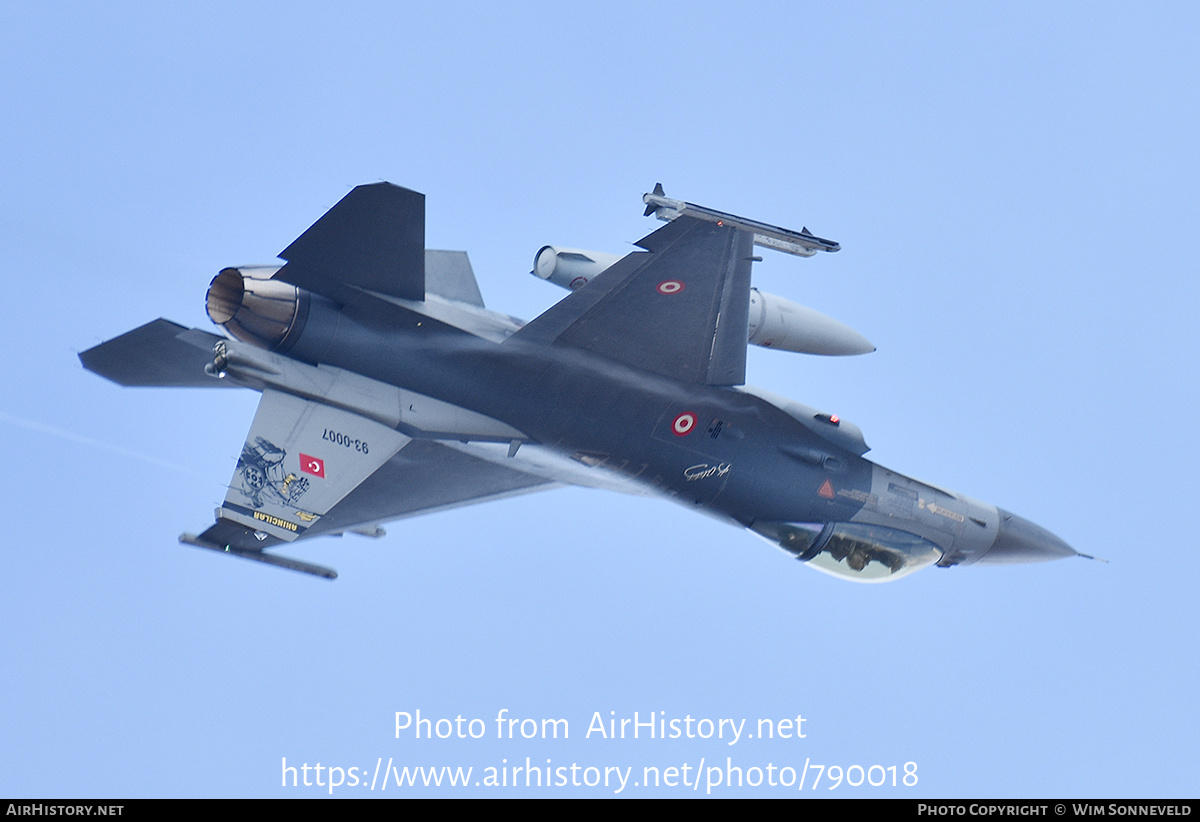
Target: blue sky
1015	191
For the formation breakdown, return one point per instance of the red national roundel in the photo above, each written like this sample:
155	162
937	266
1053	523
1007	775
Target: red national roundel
670	287
684	424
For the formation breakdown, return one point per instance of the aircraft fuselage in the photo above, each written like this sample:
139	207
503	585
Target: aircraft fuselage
722	449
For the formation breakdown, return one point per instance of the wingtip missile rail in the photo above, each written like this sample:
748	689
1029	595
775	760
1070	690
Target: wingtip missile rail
802	243
261	556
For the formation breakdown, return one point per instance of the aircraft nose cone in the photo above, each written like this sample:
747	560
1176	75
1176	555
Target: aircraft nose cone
1019	540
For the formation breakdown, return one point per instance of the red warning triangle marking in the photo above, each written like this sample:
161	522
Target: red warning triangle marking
826	490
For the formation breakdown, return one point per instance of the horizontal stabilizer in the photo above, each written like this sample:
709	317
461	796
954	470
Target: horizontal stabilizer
160	353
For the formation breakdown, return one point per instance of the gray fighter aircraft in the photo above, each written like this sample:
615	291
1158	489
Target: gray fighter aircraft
388	390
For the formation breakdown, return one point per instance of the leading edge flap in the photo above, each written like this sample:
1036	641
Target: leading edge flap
299	460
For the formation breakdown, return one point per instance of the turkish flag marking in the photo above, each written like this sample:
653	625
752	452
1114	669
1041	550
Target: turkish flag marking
312	465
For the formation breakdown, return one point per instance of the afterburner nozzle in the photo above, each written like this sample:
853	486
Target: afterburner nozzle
251	306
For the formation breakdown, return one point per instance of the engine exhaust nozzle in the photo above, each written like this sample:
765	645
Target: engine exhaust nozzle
251	306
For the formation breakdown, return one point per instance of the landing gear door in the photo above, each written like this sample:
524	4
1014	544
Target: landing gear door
299	460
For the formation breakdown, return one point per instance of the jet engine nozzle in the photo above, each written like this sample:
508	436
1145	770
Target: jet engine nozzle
252	307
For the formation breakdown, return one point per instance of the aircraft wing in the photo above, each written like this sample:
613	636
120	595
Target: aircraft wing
423	477
299	460
308	468
680	310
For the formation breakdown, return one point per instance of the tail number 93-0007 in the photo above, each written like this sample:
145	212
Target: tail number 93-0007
339	438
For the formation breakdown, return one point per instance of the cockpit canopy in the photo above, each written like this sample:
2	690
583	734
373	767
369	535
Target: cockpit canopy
852	550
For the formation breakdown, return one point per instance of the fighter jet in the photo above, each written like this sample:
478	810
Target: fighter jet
389	390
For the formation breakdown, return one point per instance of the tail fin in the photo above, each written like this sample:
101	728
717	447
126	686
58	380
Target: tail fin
374	238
